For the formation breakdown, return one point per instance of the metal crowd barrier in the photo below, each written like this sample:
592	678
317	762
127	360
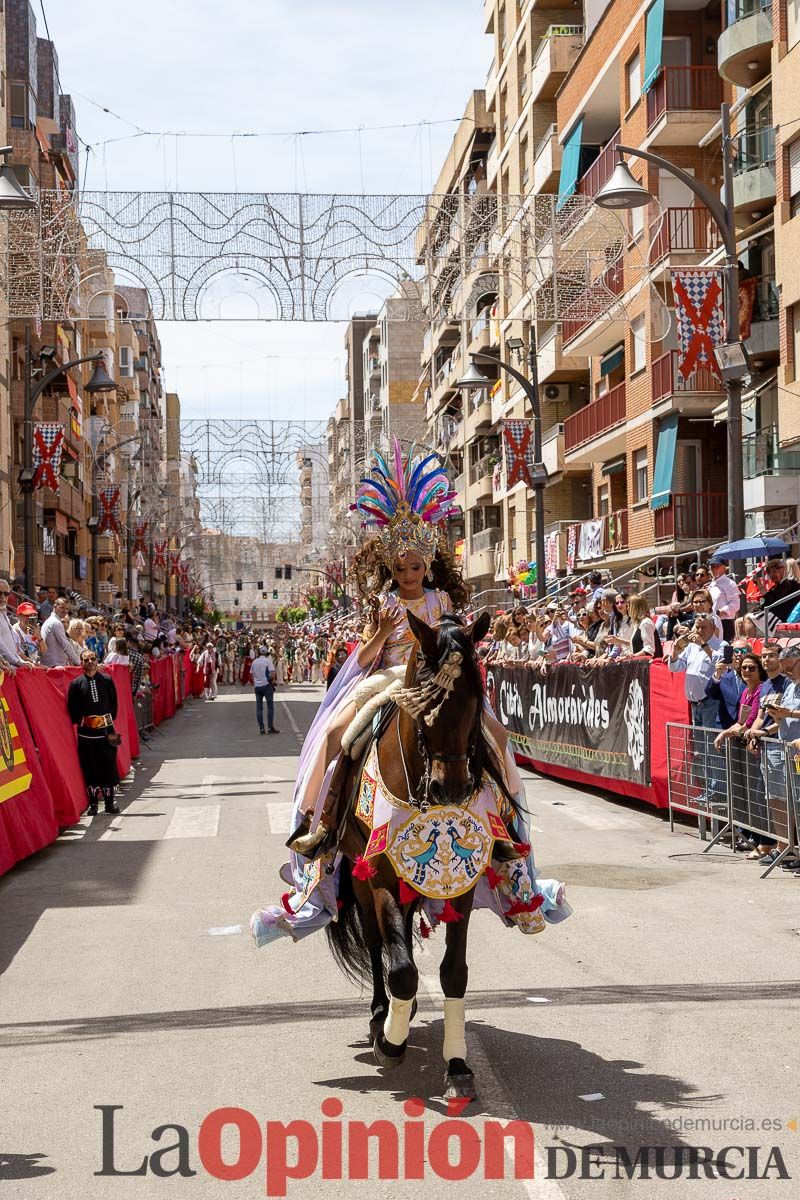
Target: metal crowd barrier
143	705
733	788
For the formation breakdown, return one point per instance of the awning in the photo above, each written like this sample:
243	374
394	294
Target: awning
570	164
653	43
749	397
615	358
614	466
665	462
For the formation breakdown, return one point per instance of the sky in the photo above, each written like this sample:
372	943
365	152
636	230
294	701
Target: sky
172	67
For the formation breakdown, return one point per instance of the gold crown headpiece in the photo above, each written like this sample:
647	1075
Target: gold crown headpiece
406	503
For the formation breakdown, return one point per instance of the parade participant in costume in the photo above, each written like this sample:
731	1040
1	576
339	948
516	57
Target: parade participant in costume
405	566
92	705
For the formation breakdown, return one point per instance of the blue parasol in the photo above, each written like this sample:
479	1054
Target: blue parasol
752	547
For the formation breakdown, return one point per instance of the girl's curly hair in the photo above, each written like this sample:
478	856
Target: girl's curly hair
370	575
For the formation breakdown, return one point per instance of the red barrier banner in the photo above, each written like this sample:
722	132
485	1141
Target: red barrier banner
27	815
44	697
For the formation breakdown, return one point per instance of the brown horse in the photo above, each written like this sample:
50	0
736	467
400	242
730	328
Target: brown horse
441	762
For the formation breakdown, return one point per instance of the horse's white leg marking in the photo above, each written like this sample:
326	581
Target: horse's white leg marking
395	1027
455	1042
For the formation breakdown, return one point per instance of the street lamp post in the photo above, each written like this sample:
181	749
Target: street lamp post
623	191
475	379
99	382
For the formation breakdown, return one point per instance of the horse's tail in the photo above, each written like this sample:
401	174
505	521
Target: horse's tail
345	935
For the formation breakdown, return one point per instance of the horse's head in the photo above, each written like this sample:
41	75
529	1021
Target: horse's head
448	689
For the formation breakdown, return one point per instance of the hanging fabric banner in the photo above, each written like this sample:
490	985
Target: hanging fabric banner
48	446
698	307
551	554
186	579
747	299
175	565
139	535
109	509
160	554
518	444
591	540
572	547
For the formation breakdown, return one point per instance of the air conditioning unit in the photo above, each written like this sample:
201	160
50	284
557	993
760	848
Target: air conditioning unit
556	393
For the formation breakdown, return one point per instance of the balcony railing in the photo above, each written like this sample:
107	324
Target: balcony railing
615	532
667	379
612	280
684	229
683	89
480	326
602	168
737	10
752	149
596	418
485	540
692	516
482	468
763	455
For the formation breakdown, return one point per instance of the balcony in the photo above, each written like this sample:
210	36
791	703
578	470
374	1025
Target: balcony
553	363
699	394
602	168
764	340
604	322
771	474
558	50
754	170
487	539
744	48
615	531
479	415
480	478
596	420
682	105
688	232
480	335
692	517
107	546
547	162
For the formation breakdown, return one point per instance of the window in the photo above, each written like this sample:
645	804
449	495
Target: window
638	349
633	80
794	175
794	332
792	23
603	508
125	362
640	474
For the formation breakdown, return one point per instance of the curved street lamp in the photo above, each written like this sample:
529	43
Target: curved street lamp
623	191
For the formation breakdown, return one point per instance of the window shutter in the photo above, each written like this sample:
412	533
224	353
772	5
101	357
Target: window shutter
794	168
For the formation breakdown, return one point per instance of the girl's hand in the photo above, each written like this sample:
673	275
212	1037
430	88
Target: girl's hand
390	618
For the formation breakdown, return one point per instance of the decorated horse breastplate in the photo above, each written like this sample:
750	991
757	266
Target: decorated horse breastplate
441	851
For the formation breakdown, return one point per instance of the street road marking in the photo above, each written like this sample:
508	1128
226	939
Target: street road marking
279	817
225	930
290	717
194	821
497	1101
597	819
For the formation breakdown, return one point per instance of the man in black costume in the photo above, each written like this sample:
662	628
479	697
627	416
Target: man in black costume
92	704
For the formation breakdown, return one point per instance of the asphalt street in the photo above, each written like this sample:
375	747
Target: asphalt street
664	1013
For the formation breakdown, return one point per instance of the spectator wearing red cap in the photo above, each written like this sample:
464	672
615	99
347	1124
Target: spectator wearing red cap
26	633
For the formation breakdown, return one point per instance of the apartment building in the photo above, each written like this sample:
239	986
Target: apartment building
347	437
393	399
7	561
40	127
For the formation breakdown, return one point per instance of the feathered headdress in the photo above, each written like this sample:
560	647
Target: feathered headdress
406	502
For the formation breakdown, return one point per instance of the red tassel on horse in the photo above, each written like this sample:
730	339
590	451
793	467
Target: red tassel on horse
363	869
493	878
449	914
523	848
531	906
408	895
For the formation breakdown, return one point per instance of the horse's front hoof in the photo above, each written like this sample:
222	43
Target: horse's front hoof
387	1055
459	1082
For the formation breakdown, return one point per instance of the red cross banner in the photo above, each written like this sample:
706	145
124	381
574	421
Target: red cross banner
186	579
518	446
698	308
174	565
48	446
160	554
139	535
108	498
